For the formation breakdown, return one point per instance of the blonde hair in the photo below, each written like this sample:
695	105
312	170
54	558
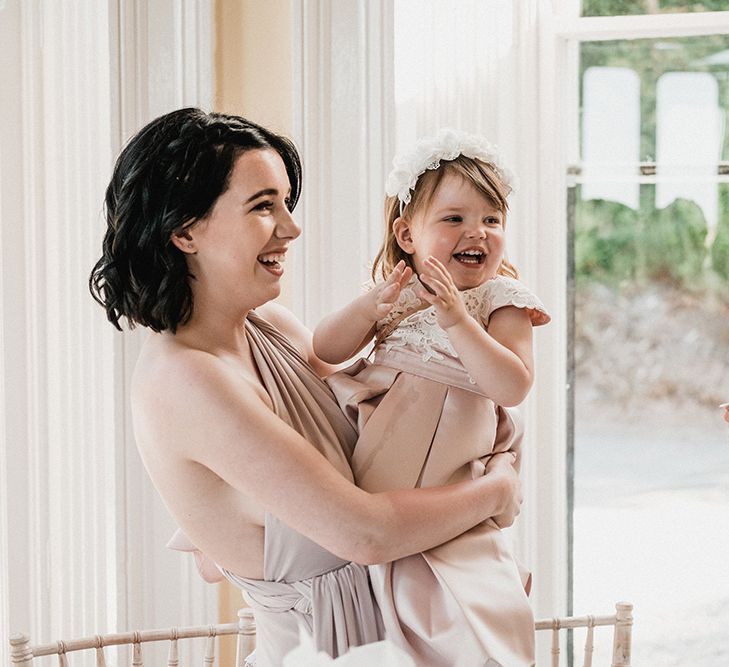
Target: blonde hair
481	175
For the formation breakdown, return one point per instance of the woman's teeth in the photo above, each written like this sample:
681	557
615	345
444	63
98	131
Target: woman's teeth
271	259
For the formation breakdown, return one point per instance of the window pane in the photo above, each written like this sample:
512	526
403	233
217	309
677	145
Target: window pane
629	7
651	452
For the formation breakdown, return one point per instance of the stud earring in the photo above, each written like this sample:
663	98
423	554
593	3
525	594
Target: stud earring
189	245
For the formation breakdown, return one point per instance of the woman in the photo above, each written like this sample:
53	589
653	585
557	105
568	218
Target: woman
240	436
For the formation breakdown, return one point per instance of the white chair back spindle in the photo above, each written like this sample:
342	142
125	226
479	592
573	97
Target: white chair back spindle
589	641
137	660
209	658
622	639
246	635
100	657
173	656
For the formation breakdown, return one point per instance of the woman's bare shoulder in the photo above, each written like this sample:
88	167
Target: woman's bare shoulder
173	384
166	364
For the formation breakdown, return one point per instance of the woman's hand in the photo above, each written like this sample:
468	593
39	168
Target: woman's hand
449	307
384	296
502	464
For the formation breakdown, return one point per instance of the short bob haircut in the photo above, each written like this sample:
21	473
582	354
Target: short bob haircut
168	177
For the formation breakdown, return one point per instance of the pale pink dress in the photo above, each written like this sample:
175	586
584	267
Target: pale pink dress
423	421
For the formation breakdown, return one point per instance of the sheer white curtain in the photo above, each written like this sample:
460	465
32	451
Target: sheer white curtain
82	532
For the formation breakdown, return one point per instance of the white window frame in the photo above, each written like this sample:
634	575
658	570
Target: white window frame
569	30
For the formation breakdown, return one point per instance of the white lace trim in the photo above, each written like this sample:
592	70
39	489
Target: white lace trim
418	328
407	302
504	291
421	332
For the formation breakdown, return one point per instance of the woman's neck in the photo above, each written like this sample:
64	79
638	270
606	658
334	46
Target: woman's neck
215	330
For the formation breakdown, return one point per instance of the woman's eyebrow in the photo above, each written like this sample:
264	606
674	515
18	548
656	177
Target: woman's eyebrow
261	193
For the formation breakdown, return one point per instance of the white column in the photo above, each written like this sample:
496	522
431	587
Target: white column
164	52
343	125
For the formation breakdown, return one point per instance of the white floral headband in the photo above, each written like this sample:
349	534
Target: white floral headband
428	152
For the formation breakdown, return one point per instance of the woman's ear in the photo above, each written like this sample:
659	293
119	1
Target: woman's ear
183	241
401	228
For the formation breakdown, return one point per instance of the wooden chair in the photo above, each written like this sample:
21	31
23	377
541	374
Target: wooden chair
22	653
622	620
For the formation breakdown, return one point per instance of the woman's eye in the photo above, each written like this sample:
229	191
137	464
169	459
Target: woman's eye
263	206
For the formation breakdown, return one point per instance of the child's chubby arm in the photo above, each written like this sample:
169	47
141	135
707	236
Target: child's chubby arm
500	360
343	333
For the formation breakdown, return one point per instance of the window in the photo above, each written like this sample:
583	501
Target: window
632	7
650	217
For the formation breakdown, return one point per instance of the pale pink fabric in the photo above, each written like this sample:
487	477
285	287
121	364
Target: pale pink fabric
303	583
423	422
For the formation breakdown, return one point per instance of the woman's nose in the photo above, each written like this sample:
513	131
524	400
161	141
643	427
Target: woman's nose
286	227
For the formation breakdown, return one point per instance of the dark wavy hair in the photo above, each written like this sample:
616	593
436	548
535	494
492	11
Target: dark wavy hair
169	176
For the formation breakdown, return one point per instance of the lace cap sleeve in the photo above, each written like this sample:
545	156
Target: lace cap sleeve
503	291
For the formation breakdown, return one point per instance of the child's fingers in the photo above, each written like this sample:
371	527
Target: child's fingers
388	293
407	274
436	285
383	309
426	296
395	275
437	267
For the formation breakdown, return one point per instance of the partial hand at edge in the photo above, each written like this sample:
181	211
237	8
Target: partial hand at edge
502	464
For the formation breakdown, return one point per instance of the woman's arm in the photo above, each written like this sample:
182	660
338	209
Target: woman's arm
500	360
234	433
343	333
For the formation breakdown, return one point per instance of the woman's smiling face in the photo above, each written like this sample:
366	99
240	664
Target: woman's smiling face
461	228
240	248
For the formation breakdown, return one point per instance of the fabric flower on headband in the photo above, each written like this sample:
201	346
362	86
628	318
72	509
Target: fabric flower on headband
428	152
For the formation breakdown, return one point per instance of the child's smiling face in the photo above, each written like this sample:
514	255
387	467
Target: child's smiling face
461	228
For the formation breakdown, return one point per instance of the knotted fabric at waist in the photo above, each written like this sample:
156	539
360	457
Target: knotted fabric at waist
275	596
339	604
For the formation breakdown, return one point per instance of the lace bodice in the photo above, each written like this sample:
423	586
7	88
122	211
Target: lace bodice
409	325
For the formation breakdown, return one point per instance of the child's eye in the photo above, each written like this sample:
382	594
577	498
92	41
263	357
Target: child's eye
454	218
492	221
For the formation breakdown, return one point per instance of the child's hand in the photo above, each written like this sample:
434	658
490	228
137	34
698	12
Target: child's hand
386	294
449	308
726	411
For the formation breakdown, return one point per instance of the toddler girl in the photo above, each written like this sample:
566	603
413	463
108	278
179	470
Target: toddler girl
453	342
